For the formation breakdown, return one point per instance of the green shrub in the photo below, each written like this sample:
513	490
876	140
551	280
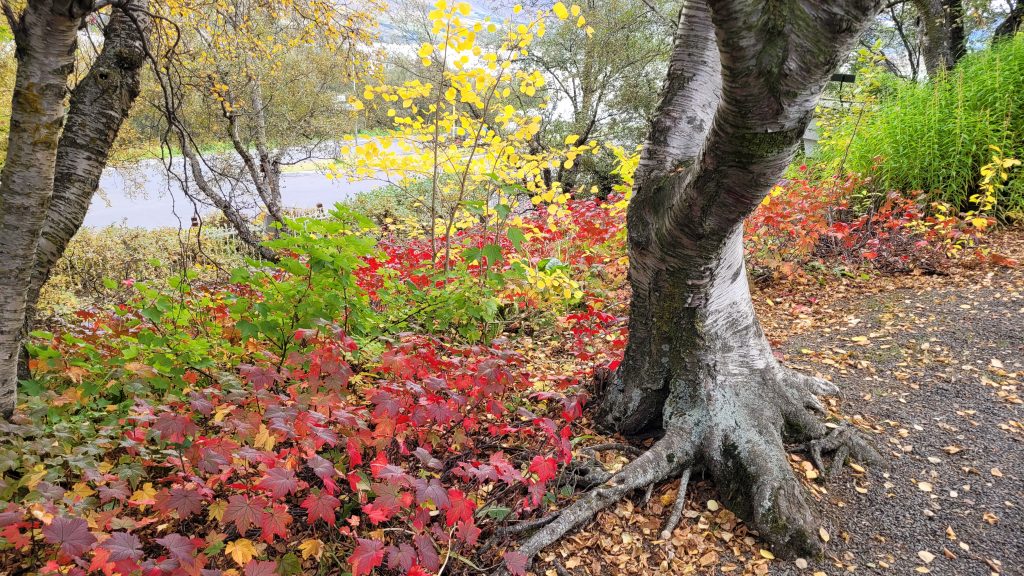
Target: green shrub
100	265
934	137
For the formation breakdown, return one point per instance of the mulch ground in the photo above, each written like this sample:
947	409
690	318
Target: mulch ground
931	368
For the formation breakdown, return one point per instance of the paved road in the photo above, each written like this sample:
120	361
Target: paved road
142	196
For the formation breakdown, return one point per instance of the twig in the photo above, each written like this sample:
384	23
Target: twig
560	569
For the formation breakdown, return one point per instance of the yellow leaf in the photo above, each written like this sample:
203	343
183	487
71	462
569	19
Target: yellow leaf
35	477
767	554
312	548
571	139
241	551
264	439
82	490
560	10
145	495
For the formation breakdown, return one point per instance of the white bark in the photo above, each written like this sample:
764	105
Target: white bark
744	81
99	105
47	37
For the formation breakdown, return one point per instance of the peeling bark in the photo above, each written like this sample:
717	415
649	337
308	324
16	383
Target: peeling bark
46	36
742	85
100	103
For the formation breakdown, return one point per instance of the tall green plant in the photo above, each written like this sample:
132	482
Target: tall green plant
934	137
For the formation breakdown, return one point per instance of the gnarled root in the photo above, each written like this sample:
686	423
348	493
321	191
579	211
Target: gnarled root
734	425
845	442
677	508
667	457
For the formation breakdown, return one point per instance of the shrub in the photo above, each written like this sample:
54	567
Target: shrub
936	136
100	265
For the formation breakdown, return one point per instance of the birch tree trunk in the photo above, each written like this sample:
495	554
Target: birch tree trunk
1008	27
742	86
46	37
698	373
100	103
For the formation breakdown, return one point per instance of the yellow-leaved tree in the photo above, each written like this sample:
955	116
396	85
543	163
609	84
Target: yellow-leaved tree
463	139
264	77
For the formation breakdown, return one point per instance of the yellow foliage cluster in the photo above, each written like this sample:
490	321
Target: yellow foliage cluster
470	126
223	41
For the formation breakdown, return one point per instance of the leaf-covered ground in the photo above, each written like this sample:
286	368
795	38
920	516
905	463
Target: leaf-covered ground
932	367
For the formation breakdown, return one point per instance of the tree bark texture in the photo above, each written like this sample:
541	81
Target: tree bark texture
742	85
100	103
1012	24
46	37
943	36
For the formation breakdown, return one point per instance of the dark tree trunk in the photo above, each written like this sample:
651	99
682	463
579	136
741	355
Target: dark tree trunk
943	37
1009	27
743	81
100	103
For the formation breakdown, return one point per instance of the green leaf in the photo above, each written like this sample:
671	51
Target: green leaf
289	565
493	253
471	254
109	284
516	237
497	512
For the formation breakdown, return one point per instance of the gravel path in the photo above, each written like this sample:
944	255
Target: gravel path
935	371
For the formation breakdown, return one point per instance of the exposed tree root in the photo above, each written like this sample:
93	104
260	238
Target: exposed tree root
845	442
677	508
735	429
617	446
560	569
667	457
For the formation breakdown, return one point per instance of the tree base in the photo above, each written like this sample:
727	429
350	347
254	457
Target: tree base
737	435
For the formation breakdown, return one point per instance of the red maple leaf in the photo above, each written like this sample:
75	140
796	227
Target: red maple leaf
368	555
174	427
515	562
401	557
71	534
180	548
261	568
244	512
275	523
183	500
321	506
279	482
460	507
544	467
378	513
122	546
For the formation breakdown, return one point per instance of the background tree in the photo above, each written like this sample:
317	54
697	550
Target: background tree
742	83
266	79
55	156
603	85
